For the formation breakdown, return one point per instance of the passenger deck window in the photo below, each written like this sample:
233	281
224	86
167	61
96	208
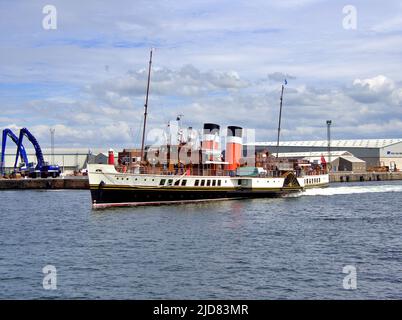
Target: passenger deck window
208	183
202	183
170	182
162	182
213	183
184	182
197	183
219	183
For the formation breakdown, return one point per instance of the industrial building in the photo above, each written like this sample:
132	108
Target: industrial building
340	160
374	152
69	159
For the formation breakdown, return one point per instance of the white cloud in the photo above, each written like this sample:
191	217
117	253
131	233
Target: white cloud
390	25
186	81
294	3
378	84
376	89
280	76
397	97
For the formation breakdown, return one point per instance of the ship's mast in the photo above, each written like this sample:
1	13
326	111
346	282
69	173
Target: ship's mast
146	106
280	118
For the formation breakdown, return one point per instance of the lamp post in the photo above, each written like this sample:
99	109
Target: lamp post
52	130
329	123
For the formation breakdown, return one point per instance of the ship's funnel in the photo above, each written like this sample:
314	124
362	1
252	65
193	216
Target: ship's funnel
110	159
234	144
210	142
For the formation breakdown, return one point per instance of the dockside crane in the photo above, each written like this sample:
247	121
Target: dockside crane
42	169
24	159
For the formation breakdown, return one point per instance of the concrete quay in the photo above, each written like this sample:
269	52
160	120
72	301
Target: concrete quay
49	183
364	176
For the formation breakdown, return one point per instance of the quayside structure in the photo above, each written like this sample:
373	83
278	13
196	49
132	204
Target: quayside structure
34	170
8	133
42	169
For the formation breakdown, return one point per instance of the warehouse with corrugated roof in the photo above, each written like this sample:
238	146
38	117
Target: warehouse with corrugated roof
69	159
374	152
340	160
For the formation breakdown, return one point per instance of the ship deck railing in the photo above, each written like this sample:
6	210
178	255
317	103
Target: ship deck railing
212	172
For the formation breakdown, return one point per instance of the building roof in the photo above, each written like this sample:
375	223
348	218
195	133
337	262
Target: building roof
60	151
362	143
317	154
349	158
102	154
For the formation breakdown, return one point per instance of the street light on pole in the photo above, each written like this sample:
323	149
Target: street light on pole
52	130
329	123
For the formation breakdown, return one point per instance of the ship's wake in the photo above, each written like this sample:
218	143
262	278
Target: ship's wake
330	191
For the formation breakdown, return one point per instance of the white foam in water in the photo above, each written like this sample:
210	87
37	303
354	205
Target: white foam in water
352	190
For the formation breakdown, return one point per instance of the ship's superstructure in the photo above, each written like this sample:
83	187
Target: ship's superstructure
186	171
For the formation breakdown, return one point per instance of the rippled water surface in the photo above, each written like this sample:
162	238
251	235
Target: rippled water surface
289	248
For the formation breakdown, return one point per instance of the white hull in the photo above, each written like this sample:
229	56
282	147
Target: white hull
112	188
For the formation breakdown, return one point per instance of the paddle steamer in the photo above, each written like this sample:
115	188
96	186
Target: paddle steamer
189	172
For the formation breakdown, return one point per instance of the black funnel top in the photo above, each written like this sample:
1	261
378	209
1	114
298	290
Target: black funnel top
234	131
211	127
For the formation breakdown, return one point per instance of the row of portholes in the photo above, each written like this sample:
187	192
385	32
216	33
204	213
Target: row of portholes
313	181
197	182
136	179
117	178
266	181
207	182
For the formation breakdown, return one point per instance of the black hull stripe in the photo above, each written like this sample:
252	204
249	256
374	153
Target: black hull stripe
104	196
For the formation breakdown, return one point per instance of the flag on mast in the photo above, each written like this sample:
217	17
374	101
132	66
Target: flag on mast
323	161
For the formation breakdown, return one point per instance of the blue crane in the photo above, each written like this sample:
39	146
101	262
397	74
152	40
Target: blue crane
8	133
42	168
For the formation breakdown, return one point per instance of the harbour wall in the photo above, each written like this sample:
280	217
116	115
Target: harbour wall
50	183
364	176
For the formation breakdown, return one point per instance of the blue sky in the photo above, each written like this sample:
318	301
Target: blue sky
215	61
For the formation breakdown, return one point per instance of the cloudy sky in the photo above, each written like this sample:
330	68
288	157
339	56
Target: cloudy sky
215	61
